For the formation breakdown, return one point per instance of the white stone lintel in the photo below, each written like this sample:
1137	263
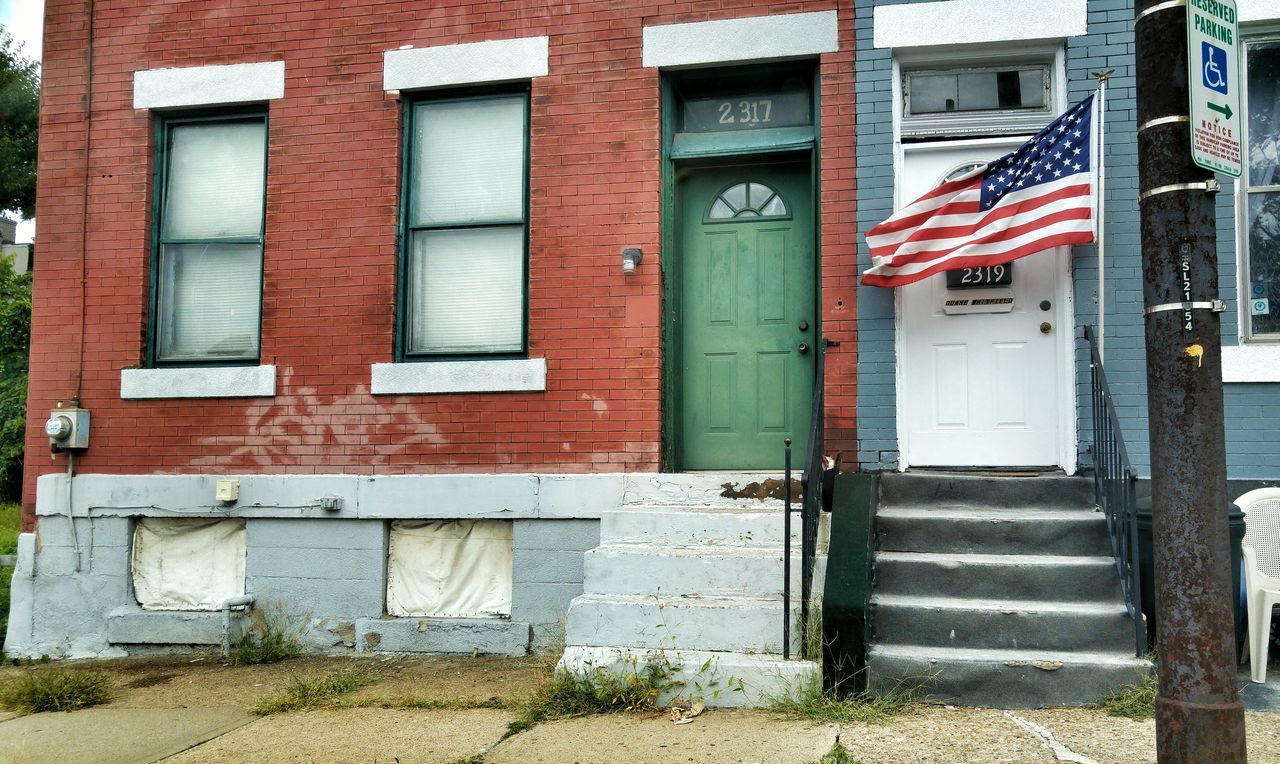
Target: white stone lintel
208	85
956	22
496	376
198	382
756	38
521	58
1251	363
1253	11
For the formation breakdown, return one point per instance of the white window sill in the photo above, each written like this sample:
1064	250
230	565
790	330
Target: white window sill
198	382
1251	363
497	376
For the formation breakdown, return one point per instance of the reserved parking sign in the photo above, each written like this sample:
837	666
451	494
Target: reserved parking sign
1213	60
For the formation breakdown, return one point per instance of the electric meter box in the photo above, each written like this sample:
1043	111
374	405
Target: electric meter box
68	428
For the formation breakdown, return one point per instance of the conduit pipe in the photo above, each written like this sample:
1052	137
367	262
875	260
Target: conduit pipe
244	600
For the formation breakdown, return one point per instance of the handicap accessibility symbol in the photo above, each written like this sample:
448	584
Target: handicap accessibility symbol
1214	72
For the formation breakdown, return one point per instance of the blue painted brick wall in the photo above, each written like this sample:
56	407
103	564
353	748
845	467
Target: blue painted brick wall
1252	410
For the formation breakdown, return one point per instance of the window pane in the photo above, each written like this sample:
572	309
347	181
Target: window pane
1264	263
1264	114
209	300
468	163
214	184
933	93
976	90
468	290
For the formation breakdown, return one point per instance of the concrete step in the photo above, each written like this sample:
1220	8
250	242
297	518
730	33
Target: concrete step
710	571
716	678
710	489
977	530
996	576
1001	678
736	624
1000	624
1042	491
704	526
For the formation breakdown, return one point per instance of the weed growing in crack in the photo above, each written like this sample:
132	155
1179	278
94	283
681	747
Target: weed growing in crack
837	755
274	635
60	689
810	701
315	691
1132	701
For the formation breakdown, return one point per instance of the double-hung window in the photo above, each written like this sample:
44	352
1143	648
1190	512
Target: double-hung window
207	272
466	211
1260	202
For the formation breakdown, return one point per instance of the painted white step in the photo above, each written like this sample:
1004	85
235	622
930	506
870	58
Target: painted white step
708	489
1001	678
716	678
737	624
705	526
709	571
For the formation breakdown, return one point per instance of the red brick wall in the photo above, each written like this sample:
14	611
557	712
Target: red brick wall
330	256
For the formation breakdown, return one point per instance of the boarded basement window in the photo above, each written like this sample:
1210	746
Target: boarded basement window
187	564
451	568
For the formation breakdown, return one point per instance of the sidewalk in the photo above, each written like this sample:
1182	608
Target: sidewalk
175	710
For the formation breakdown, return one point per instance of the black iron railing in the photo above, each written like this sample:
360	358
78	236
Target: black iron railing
812	480
1113	485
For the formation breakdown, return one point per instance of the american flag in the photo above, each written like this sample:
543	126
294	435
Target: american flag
1037	198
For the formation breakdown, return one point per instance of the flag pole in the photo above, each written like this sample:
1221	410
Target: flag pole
1099	208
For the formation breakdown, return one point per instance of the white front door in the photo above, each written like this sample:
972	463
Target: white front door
985	389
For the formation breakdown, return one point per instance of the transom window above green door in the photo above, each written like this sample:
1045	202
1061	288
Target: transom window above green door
748	200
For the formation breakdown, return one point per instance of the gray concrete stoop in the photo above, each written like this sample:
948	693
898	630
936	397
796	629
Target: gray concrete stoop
688	575
997	591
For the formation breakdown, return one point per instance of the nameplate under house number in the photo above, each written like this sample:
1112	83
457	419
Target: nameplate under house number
995	280
703	115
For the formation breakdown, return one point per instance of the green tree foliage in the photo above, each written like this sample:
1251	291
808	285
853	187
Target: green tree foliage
19	126
15	346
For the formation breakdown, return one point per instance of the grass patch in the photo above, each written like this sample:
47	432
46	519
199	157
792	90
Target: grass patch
314	691
273	636
57	690
811	702
1132	701
837	755
10	522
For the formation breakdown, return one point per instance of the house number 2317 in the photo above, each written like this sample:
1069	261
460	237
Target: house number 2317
754	112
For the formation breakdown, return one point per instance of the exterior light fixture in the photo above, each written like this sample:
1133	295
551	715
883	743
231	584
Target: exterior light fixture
631	257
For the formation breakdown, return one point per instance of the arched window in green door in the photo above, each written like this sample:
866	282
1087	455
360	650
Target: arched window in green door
747	201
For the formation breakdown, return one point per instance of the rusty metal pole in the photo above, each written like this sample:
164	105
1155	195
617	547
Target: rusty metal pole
1199	717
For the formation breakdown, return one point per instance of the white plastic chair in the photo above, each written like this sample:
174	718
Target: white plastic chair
1261	552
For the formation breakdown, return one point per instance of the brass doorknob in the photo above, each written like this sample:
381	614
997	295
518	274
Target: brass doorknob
1046	327
803	347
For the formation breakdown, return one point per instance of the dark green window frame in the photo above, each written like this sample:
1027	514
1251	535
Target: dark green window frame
404	280
163	131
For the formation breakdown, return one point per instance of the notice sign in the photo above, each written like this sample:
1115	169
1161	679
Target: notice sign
1213	61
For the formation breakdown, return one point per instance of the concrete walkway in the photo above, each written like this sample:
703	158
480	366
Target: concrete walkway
149	721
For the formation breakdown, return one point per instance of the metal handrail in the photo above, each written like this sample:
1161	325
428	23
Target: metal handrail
1114	482
811	480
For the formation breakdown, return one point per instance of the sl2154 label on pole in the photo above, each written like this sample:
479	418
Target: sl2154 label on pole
1213	61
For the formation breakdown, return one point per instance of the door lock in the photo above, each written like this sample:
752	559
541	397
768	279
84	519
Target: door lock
803	347
1046	327
804	326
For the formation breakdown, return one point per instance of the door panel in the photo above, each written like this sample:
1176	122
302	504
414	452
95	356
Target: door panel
981	389
745	286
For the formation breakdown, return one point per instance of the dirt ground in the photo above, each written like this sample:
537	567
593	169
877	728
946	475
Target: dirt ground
360	729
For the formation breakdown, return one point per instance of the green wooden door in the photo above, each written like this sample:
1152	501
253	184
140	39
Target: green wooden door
746	303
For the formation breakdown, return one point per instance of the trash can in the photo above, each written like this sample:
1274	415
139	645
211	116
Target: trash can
1146	565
